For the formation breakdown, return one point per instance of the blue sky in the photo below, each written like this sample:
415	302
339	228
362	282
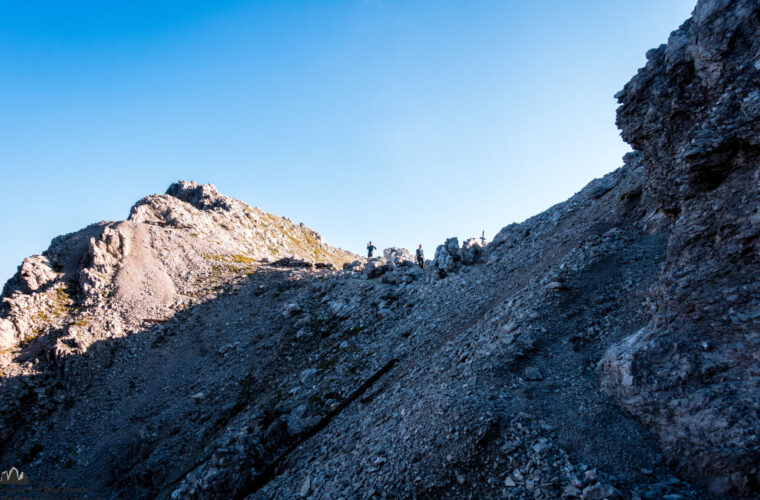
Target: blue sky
403	122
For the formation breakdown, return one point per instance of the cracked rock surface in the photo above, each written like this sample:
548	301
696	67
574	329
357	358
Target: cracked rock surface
605	348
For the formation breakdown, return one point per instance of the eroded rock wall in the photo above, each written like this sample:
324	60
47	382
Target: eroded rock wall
478	377
692	373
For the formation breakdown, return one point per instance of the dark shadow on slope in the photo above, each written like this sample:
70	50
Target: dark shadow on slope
257	482
138	396
581	322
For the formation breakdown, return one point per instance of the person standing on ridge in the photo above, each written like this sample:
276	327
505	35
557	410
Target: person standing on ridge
421	257
370	248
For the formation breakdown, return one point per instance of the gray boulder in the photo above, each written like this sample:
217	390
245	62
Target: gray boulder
396	255
353	266
452	246
449	257
376	267
472	250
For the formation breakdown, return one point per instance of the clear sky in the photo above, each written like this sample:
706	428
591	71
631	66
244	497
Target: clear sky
400	121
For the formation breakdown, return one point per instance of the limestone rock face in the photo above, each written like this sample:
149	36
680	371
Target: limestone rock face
174	249
7	334
691	374
449	257
201	196
35	272
607	347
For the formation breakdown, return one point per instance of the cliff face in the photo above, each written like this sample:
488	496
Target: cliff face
605	348
692	373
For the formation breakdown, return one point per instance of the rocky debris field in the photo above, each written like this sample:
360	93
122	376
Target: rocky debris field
605	348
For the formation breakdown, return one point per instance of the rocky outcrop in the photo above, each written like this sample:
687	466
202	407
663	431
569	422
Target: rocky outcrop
397	255
449	257
395	267
7	334
174	249
691	374
604	348
472	250
359	380
35	273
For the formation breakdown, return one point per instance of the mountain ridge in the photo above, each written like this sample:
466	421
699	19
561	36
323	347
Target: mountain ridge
192	231
604	348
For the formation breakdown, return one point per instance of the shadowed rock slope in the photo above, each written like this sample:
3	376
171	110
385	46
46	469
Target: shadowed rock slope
605	348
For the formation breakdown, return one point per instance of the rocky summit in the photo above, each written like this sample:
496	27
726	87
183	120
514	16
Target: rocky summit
608	347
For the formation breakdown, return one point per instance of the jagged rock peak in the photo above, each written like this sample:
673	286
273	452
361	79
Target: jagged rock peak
385	381
164	209
201	196
173	249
